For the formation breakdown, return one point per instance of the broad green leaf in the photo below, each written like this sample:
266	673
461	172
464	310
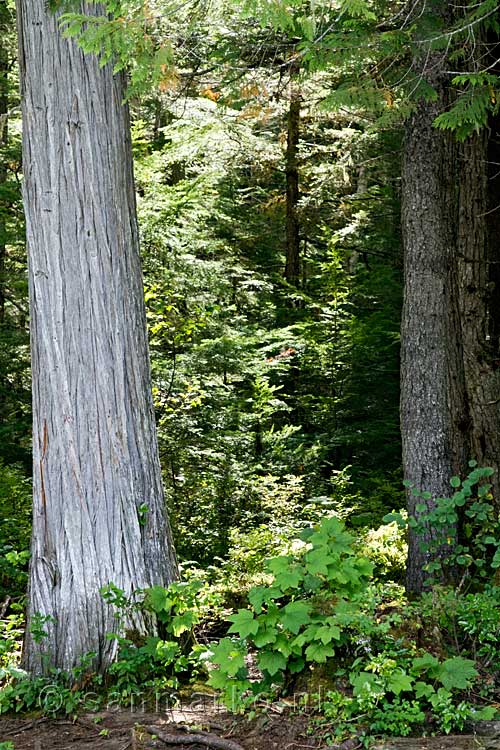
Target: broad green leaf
485	714
295	615
260	595
264	637
157	598
283	645
366	682
328	633
244	623
399	682
229	655
317	561
424	663
423	689
318	652
271	661
182	623
456	673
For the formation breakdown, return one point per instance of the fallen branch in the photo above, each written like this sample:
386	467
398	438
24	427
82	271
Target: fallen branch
202	738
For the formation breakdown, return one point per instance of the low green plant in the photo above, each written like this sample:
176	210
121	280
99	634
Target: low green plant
400	696
303	616
466	530
167	660
320	607
57	693
386	547
15	529
11	636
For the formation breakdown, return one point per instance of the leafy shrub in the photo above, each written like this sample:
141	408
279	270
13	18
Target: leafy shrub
466	530
160	662
387	549
303	616
321	608
15	530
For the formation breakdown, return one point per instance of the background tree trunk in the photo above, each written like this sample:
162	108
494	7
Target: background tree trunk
477	258
292	267
95	458
4	109
433	407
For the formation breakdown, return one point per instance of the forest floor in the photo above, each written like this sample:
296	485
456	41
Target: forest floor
216	730
134	730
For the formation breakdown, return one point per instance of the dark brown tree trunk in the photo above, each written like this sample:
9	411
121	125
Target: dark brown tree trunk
98	510
433	406
292	267
477	258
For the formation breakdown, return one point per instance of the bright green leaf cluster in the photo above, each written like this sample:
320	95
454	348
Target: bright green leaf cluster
301	617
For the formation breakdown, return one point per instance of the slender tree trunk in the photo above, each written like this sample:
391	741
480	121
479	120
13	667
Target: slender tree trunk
4	109
95	456
292	267
433	407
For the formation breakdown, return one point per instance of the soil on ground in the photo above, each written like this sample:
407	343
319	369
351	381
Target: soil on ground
202	727
136	730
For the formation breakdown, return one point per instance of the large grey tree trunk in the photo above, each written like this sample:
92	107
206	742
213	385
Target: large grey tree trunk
95	458
433	405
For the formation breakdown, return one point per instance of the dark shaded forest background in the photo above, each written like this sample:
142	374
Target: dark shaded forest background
275	399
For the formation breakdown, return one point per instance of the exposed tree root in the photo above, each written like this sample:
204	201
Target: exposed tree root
202	738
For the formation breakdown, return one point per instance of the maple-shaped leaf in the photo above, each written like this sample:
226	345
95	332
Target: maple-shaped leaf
229	656
260	595
182	623
423	689
158	600
264	637
319	652
244	623
328	633
295	615
425	663
283	645
399	682
289	578
271	661
317	561
456	673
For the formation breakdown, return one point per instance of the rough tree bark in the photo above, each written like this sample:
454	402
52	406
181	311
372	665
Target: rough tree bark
433	402
478	258
95	458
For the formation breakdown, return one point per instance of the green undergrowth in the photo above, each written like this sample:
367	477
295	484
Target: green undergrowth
325	628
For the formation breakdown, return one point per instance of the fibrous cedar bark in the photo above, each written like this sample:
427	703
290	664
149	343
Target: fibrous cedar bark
98	510
433	400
